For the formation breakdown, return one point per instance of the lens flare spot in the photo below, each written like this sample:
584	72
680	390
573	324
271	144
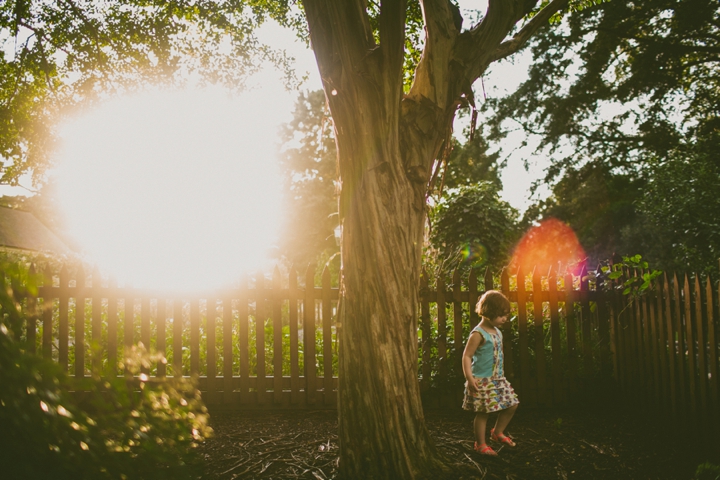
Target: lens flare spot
551	244
474	253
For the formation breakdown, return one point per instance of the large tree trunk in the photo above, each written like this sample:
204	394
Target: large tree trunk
387	145
382	432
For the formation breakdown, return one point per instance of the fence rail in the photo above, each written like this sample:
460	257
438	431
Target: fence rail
273	341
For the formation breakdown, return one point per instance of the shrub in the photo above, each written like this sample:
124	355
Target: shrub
122	428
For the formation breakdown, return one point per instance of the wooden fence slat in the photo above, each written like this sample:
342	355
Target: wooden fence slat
586	326
47	313
690	338
79	338
177	337
145	327
442	327
112	332
96	350
47	310
655	360
260	317
293	319
670	337
700	338
194	336
507	330
128	324
277	336
680	342
662	345
713	352
459	339
210	348
63	327
604	319
31	315
425	329
528	390
571	332
227	324
555	337
160	336
243	340
543	397
640	379
309	334
329	396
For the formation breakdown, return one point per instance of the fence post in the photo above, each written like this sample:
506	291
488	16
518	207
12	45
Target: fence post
293	318
523	338
96	350
63	327
507	329
713	353
79	339
31	314
47	312
702	364
309	333
260	316
542	393
670	335
329	396
555	336
243	340
277	336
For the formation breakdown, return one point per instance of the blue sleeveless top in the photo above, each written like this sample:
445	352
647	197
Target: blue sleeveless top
488	358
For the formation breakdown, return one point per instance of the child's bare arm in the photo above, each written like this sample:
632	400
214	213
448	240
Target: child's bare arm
473	343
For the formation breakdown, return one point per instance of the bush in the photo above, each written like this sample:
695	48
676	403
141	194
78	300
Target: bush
123	428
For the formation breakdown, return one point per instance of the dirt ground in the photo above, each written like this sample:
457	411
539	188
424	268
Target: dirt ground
551	444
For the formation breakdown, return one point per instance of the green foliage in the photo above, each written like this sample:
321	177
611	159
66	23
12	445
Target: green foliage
309	170
121	429
471	227
707	471
633	286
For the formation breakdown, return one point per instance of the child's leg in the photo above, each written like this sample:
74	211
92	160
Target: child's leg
479	427
503	419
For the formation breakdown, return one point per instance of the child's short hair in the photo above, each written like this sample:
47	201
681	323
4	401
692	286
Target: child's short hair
493	304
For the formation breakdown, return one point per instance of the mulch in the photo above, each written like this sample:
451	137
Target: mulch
551	444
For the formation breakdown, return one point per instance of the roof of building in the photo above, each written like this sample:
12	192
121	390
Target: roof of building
23	231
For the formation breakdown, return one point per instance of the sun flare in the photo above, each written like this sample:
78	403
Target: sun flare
173	190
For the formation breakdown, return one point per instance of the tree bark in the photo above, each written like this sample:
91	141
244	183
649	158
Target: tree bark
387	145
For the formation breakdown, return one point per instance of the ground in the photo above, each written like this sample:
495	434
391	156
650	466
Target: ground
551	444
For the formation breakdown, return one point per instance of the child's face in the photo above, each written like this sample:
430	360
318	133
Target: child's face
498	321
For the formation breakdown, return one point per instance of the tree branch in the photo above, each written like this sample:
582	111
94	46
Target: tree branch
392	36
516	43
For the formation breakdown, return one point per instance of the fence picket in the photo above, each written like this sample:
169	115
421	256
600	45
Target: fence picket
680	342
541	388
661	345
571	331
690	339
670	336
712	350
210	348
96	350
277	336
523	337
425	331
260	316
586	324
243	340
145	327
507	329
293	319
79	337
31	316
160	325
47	311
555	336
653	336
441	328
177	337
457	318
309	334
700	338
112	333
329	397
63	322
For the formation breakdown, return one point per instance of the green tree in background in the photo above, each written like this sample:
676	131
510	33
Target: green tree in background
624	100
309	168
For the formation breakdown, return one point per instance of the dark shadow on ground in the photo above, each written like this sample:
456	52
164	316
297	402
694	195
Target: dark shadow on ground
551	444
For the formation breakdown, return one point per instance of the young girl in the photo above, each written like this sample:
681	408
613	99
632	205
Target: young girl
486	389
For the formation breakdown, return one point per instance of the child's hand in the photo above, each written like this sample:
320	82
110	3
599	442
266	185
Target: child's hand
473	385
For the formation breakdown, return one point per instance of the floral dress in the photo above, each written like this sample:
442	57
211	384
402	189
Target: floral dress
495	392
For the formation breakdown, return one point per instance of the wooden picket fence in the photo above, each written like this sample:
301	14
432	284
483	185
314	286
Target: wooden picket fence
272	342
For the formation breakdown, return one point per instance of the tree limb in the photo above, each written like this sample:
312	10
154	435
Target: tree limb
543	16
392	36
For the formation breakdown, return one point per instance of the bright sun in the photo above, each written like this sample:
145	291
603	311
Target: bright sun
173	190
